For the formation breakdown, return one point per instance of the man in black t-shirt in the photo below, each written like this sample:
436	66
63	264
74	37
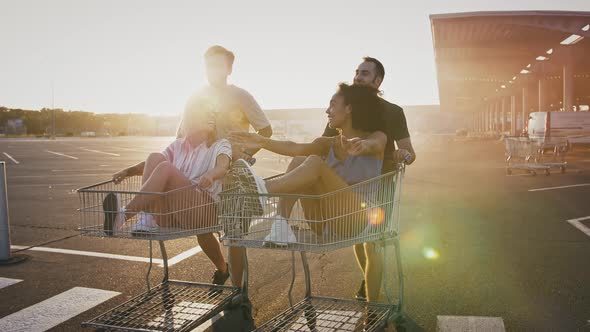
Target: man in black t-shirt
369	255
371	72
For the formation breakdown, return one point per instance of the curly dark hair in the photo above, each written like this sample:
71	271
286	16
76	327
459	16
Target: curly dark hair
367	108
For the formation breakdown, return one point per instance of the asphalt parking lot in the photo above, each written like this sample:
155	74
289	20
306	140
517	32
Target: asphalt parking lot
512	247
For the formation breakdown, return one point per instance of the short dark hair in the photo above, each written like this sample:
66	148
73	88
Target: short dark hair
366	106
378	66
220	50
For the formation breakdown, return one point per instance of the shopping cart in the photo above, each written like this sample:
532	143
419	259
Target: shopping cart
172	305
364	212
524	154
553	152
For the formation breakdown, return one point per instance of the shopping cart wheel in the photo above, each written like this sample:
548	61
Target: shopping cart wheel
562	169
547	172
247	310
508	171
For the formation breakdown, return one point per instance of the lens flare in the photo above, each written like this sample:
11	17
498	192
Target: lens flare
376	216
430	253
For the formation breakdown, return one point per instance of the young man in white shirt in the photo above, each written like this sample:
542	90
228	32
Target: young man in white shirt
235	110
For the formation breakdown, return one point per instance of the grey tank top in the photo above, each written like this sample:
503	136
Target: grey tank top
355	169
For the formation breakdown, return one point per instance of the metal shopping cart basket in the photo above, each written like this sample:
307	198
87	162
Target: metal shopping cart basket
523	153
173	305
364	212
553	152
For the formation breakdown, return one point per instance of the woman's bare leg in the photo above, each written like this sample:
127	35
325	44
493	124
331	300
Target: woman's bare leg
151	162
286	204
311	171
163	178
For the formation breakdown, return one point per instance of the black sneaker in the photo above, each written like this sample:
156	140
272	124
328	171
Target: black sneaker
110	206
219	279
361	294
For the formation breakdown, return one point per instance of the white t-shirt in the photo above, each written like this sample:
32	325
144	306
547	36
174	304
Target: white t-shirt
193	162
235	109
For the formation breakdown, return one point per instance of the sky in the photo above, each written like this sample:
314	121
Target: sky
146	56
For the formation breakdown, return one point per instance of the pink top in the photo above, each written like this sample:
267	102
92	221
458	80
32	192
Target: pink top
193	162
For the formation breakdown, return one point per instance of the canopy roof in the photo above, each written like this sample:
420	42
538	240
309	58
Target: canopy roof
478	52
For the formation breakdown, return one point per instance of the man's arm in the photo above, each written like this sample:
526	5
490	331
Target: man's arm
404	144
401	136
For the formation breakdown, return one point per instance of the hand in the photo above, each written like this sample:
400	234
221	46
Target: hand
246	141
238	154
120	176
206	180
354	146
401	155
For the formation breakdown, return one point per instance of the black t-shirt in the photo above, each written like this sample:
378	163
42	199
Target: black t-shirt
395	126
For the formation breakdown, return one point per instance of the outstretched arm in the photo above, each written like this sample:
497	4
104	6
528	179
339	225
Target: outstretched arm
287	148
136	169
265	132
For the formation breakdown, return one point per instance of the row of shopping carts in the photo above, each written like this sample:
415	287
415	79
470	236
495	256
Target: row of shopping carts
536	155
364	212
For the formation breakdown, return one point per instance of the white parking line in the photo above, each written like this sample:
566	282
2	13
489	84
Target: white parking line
577	224
132	150
61	154
182	256
10	157
96	151
91	254
55	310
561	187
5	282
172	261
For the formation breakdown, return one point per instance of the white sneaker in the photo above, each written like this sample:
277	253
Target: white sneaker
281	233
145	223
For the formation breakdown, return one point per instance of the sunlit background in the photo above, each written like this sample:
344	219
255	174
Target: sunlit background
146	56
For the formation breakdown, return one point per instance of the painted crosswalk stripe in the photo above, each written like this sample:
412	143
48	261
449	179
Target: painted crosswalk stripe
55	310
61	154
469	324
5	282
10	157
97	151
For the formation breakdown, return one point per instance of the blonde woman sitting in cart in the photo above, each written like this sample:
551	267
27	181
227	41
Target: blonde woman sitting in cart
196	158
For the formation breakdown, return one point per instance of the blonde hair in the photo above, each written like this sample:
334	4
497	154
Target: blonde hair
202	110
